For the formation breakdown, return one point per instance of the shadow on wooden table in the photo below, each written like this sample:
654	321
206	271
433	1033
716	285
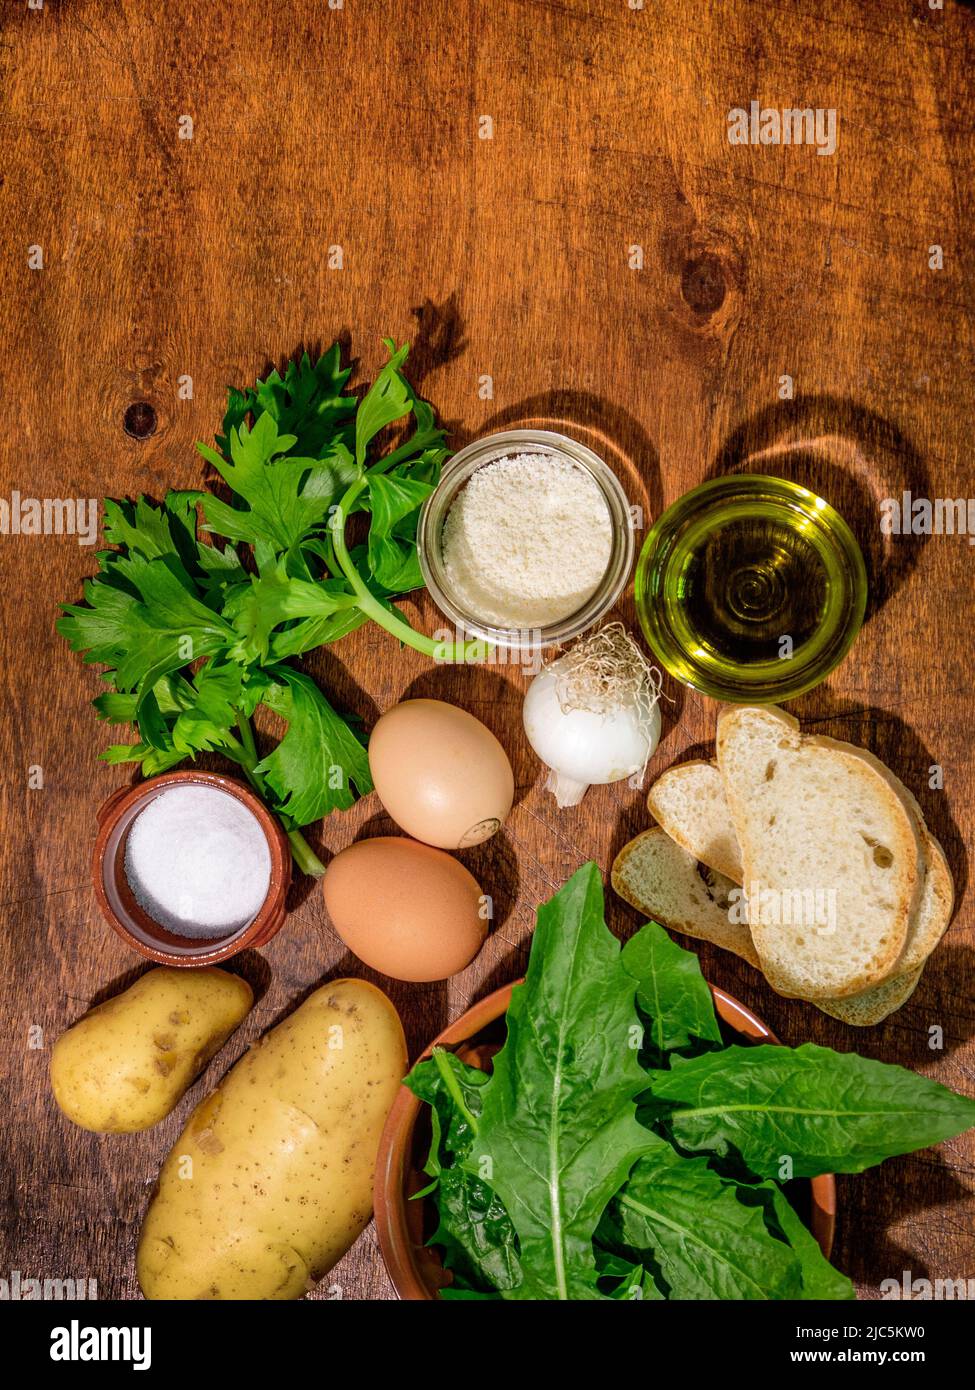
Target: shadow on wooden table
848	455
249	965
422	1007
605	427
439	337
897	1194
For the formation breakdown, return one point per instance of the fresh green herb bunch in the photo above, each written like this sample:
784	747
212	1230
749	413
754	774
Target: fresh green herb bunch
197	636
619	1149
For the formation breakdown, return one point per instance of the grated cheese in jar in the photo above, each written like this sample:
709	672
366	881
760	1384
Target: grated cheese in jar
527	541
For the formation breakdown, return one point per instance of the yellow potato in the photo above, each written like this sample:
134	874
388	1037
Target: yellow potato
126	1063
271	1180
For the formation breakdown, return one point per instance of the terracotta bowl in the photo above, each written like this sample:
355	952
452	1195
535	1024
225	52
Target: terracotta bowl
414	1268
133	924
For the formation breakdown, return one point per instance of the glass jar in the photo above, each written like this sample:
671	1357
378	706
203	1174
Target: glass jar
455	475
750	588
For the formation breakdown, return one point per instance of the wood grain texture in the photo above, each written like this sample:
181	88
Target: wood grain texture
358	127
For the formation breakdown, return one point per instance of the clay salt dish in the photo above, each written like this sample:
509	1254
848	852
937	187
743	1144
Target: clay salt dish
133	924
415	1268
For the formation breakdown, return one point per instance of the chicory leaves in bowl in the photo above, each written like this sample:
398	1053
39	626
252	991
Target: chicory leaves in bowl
619	1149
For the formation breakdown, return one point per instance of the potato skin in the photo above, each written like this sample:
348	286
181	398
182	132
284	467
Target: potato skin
126	1064
279	1160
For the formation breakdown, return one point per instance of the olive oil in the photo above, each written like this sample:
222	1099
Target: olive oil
751	588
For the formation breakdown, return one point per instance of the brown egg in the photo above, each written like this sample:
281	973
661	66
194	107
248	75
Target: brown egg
440	773
404	908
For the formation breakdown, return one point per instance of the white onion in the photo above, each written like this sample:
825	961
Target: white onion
608	741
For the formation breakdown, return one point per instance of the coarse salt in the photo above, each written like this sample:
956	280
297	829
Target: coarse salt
527	540
197	861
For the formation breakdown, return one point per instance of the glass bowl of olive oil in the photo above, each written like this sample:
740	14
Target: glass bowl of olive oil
751	588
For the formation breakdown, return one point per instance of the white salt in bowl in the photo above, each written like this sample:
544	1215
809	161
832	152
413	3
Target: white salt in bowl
457	606
121	907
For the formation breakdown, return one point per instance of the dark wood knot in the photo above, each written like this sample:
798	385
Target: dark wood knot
703	283
140	420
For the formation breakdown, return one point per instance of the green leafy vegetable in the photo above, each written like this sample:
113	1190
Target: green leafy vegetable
475	1232
627	1280
670	989
558	1131
567	1173
307	402
819	1279
194	635
819	1110
678	1216
314	766
287	498
388	400
144	621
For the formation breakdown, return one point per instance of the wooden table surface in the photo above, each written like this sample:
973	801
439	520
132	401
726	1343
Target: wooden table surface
509	258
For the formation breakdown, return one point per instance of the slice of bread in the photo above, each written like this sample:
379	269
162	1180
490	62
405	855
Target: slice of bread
873	1005
934	910
936	904
663	881
689	802
831	853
